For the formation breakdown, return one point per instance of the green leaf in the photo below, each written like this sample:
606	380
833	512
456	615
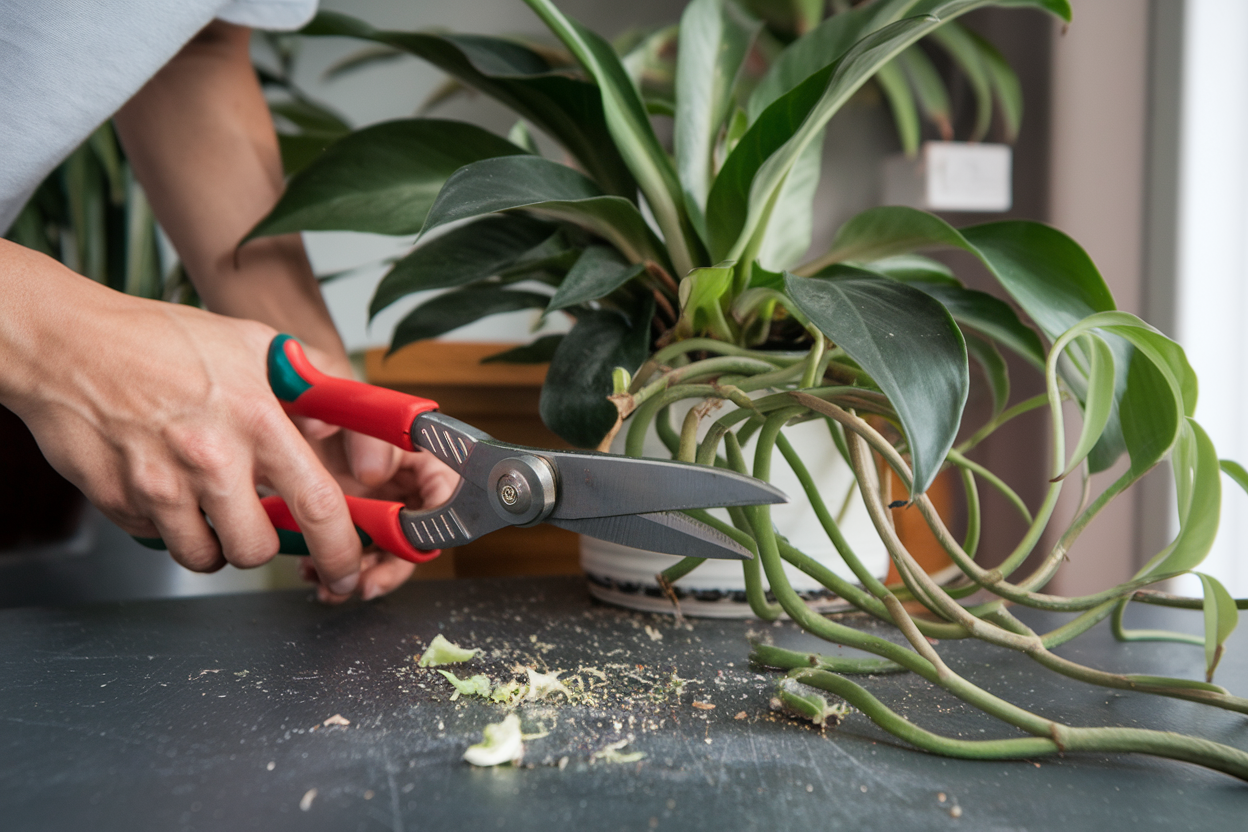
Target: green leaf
1236	472
911	268
1099	403
630	127
929	89
463	255
744	190
599	271
908	343
574	400
299	151
892	80
989	316
1005	86
1221	616
715	36
366	57
820	47
888	231
1149	428
790	225
310	117
538	351
965	52
460	307
1199	485
568	109
995	371
520	136
702	297
549	188
788	18
381	179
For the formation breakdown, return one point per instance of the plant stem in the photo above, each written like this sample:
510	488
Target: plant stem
1201	752
768	655
1017	410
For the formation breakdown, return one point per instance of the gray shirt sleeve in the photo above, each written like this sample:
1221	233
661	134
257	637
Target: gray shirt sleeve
66	67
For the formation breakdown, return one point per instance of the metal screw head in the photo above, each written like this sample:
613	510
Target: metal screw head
522	489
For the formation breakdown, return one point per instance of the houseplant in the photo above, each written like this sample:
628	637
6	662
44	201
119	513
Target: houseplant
869	337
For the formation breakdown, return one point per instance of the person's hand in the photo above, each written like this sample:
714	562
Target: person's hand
368	467
163	416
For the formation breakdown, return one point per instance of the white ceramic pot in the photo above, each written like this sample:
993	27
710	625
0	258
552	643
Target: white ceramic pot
626	576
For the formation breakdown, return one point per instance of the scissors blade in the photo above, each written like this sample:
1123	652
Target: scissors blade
669	532
602	485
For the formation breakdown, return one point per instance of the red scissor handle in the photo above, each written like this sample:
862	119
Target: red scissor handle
354	405
377	521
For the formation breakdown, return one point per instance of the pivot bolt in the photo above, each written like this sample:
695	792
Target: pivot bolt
522	489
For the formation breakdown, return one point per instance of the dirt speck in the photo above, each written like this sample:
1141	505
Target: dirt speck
306	802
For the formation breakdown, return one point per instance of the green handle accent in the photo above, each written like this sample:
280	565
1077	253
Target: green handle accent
288	542
286	382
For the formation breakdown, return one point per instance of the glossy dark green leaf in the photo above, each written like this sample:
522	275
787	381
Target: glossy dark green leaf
598	272
460	307
538	351
994	318
548	188
908	343
574	401
381	179
995	371
715	36
461	256
300	150
568	109
1221	618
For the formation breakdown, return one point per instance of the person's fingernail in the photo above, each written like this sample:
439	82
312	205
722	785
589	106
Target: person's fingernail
371	591
345	586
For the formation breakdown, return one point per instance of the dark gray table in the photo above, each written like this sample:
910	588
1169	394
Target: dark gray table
208	714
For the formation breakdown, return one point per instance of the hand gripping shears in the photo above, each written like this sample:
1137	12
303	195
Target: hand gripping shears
635	502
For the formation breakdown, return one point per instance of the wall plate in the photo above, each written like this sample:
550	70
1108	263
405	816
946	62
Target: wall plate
951	176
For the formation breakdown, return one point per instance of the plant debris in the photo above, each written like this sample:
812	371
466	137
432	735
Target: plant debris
478	685
542	685
305	803
611	753
441	651
337	719
502	743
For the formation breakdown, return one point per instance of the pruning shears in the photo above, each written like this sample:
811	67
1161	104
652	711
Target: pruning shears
632	501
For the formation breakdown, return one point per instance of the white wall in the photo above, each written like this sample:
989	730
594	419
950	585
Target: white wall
1211	294
1097	158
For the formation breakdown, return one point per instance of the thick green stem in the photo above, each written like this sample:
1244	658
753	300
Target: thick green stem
996	482
1017	410
768	655
1173	746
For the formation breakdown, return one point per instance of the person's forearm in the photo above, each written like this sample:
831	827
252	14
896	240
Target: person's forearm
202	143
